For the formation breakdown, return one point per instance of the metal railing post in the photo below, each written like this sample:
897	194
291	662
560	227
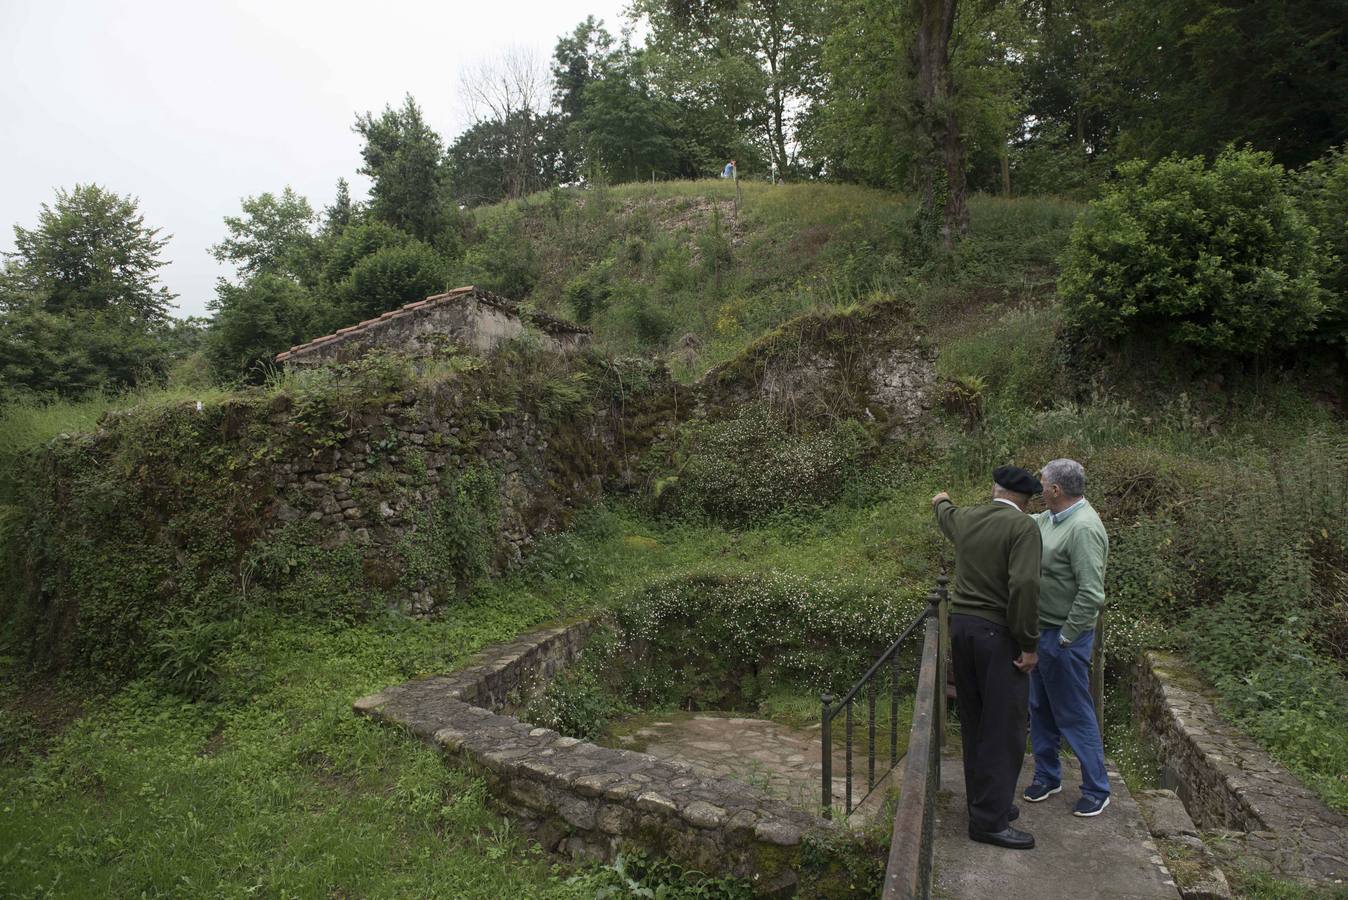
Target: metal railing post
826	753
847	802
942	654
870	740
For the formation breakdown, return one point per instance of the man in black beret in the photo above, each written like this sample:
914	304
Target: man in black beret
994	634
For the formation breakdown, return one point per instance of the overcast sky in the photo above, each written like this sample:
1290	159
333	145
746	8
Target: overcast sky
191	105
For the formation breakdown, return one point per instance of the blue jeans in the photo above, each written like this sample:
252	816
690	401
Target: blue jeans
1061	707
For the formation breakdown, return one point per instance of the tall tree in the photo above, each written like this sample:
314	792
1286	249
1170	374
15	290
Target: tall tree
627	131
754	62
404	158
340	213
484	159
1204	73
81	306
274	234
577	61
90	251
510	93
942	179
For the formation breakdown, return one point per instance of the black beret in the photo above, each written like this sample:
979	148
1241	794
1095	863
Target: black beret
1014	478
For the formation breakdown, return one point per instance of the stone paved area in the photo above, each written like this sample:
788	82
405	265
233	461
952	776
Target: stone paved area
590	801
782	761
1109	857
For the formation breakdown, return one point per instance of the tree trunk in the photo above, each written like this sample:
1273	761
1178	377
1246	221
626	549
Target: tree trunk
942	179
1006	168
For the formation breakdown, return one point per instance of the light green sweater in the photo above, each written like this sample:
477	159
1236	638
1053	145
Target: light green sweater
1072	571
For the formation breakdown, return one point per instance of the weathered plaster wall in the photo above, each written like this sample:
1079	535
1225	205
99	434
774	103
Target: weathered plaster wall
468	318
590	801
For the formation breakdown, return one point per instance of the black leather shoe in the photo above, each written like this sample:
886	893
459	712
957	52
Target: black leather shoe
1014	814
1011	838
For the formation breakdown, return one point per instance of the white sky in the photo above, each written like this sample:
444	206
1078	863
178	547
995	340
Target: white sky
191	105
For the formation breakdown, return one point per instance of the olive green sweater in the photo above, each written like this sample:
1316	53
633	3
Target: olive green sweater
997	554
1072	589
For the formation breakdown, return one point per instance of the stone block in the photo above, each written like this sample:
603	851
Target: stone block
577	812
612	818
703	814
776	832
651	801
1165	814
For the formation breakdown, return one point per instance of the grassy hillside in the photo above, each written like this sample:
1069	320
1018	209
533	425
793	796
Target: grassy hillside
1224	491
694	272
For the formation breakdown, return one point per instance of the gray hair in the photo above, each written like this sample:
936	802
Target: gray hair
1066	474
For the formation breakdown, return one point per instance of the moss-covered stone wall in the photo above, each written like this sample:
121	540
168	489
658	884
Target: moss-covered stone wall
339	493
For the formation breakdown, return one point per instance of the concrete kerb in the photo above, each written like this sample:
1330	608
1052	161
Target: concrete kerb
582	799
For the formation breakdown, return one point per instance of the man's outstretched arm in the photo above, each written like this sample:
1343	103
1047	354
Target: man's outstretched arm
945	514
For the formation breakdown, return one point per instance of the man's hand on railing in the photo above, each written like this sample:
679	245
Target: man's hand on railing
1026	662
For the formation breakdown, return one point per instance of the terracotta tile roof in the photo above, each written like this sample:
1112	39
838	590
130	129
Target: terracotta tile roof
547	323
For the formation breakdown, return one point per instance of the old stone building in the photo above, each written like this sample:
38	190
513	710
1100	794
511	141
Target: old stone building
469	317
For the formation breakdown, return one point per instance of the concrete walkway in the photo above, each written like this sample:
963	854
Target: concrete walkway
1110	857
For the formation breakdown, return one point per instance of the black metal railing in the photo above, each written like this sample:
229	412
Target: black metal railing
909	870
889	663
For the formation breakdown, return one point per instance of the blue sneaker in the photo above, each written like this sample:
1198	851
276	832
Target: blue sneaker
1086	807
1039	791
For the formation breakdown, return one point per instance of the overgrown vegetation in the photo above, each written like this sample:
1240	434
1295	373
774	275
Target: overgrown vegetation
1216	259
716	642
1224	496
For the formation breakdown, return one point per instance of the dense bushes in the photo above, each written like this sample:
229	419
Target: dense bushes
1217	258
746	468
722	642
390	277
255	321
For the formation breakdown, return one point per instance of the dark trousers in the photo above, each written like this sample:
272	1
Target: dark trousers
994	708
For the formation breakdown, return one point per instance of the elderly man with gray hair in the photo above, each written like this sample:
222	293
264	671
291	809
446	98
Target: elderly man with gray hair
1071	594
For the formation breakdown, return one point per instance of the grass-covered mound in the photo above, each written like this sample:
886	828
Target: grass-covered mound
685	270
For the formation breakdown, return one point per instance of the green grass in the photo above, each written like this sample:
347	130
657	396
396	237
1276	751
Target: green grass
279	789
789	249
275	788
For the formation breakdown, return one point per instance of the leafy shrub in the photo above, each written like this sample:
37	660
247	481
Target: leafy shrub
718	642
186	655
1323	188
1213	257
647	322
1246	583
588	293
577	704
639	875
1016	357
254	322
457	540
355	243
19	733
391	277
750	467
504	259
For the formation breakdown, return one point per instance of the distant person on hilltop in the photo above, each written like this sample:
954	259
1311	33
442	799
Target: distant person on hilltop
729	170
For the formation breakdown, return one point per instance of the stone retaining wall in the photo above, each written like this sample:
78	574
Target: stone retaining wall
1228	782
589	801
